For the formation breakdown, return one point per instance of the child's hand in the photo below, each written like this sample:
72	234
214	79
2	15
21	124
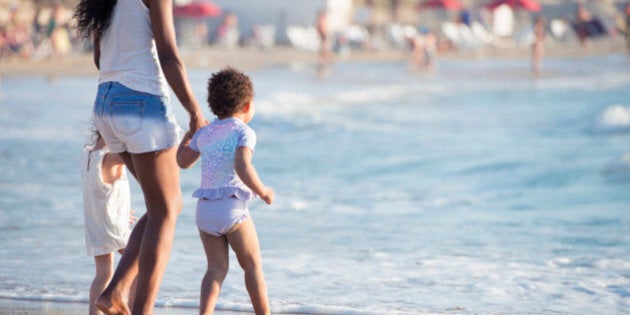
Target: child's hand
187	137
132	218
268	195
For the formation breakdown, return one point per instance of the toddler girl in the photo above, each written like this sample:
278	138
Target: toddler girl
228	182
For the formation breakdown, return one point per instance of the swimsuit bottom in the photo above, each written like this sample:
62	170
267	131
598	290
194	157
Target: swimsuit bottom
217	217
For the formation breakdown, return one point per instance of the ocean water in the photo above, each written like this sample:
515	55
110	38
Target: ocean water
475	189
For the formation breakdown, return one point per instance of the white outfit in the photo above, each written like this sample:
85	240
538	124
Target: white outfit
106	207
128	52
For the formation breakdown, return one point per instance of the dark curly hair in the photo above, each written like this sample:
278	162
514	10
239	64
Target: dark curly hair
93	16
228	92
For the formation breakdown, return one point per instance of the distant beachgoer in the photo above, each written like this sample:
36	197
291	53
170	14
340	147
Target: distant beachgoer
136	53
106	211
58	33
582	18
538	45
227	33
465	17
228	182
324	56
423	50
17	35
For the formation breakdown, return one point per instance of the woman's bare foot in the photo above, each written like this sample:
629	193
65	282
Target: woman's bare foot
112	305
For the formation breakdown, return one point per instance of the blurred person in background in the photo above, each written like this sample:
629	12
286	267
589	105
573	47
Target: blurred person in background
324	54
538	45
17	35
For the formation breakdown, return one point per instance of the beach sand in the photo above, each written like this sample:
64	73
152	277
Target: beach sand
247	59
206	57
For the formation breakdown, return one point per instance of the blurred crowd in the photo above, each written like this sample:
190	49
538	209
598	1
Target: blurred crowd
29	33
33	32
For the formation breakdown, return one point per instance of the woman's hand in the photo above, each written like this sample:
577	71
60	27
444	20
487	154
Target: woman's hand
197	121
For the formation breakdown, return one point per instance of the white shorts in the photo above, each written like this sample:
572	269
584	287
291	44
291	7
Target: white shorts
134	121
217	217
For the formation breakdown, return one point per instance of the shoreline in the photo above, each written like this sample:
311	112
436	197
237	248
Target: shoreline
46	307
213	58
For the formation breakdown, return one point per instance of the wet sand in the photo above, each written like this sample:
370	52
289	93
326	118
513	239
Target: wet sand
28	307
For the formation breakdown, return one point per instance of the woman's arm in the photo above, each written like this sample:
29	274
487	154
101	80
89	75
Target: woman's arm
164	33
249	176
97	49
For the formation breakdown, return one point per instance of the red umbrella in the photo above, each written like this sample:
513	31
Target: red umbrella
197	9
453	5
530	5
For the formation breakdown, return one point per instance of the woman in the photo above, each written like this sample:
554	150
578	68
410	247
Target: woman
137	57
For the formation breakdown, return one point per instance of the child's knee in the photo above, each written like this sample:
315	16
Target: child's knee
250	263
218	270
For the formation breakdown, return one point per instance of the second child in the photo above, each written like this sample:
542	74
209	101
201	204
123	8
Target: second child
107	212
228	182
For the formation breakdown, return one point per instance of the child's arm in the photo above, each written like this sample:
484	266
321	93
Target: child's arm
112	168
249	176
186	156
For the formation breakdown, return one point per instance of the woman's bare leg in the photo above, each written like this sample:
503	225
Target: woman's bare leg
132	289
217	255
158	176
244	242
115	297
104	269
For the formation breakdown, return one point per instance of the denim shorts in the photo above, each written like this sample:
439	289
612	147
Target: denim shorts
134	121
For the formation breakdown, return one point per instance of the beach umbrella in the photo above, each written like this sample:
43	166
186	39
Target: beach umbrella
197	9
452	5
530	5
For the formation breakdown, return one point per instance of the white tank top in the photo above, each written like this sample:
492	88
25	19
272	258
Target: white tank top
128	52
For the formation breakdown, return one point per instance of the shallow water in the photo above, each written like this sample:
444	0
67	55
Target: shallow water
476	189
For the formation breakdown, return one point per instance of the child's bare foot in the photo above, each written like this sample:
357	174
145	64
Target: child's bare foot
111	305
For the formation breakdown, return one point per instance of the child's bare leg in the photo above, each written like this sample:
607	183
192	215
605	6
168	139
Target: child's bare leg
114	299
217	255
244	242
158	176
104	270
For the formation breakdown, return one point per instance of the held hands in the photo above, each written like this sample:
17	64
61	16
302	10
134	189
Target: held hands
267	195
197	121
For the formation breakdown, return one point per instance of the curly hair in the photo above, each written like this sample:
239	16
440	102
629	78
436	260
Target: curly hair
229	90
93	16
